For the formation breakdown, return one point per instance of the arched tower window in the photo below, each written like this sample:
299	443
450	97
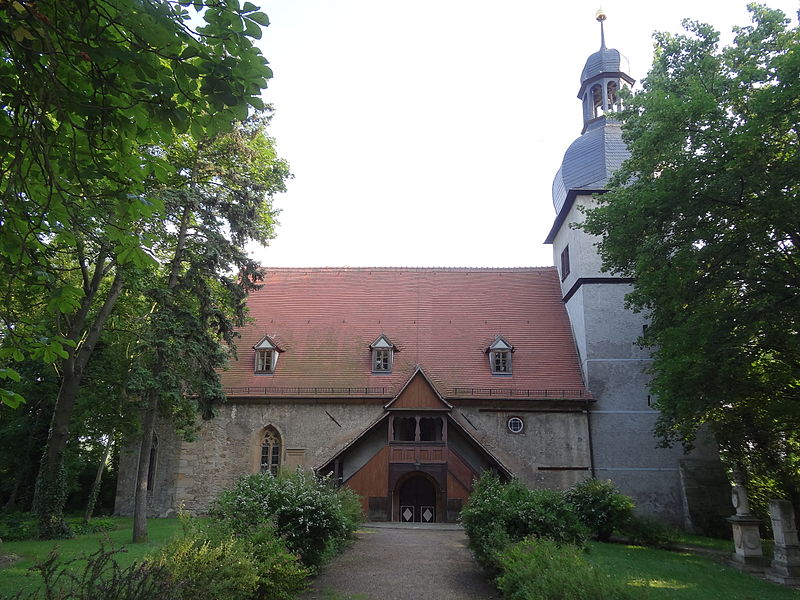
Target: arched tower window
611	94
271	451
597	100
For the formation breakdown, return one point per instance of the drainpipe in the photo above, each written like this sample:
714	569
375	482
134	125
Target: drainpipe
591	446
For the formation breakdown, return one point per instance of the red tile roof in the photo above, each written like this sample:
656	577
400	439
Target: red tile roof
440	319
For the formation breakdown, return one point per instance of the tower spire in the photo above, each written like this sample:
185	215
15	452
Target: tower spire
600	15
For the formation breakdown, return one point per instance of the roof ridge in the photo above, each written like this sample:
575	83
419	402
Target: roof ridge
409	269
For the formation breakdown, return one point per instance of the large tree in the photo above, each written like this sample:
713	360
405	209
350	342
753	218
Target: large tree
219	200
706	216
90	90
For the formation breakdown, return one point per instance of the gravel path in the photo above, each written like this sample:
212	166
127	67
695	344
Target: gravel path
394	561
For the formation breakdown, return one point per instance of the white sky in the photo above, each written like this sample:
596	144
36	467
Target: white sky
428	132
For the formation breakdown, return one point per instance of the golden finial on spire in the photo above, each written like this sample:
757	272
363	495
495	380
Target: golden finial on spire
600	15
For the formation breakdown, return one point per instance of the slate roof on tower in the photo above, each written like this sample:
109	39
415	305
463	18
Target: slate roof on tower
443	320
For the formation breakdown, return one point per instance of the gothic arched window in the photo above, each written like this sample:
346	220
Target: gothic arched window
270	451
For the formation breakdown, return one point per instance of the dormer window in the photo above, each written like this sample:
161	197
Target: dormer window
382	355
500	356
266	356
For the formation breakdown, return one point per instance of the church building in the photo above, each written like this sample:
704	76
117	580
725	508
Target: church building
406	384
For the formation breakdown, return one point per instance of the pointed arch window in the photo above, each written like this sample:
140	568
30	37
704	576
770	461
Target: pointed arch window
382	355
271	451
266	357
500	356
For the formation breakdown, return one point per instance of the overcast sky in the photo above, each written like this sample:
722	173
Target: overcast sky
428	132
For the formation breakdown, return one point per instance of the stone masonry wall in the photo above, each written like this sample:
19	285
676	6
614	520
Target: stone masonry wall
192	474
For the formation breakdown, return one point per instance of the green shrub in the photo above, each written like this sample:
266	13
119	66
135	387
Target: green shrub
499	513
541	569
209	569
17	527
311	515
98	525
351	508
101	578
544	513
280	574
487	541
600	507
646	531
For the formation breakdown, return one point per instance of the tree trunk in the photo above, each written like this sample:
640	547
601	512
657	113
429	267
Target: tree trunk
51	486
50	494
140	499
148	425
98	478
12	498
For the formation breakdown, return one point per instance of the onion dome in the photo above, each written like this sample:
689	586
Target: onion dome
591	160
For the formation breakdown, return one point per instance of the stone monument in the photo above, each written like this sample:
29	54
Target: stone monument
786	558
746	536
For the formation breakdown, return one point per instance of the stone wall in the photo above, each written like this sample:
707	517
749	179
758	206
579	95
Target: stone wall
552	451
192	474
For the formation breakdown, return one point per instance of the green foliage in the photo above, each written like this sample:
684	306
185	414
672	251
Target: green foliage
23	433
97	525
313	517
281	576
705	216
16	576
646	531
95	96
100	578
209	569
600	506
541	569
48	503
88	90
15	526
499	513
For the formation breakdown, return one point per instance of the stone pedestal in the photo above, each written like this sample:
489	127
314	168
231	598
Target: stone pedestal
746	536
747	542
786	559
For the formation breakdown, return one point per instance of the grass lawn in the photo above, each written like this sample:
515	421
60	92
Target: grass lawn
16	577
659	575
704	542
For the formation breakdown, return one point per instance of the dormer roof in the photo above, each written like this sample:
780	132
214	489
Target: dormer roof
500	343
267	343
382	342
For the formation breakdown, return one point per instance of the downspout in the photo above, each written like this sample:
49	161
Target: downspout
591	446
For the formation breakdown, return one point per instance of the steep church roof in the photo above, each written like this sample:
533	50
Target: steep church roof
442	320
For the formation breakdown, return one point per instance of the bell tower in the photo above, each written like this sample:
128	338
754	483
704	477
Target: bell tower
663	482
